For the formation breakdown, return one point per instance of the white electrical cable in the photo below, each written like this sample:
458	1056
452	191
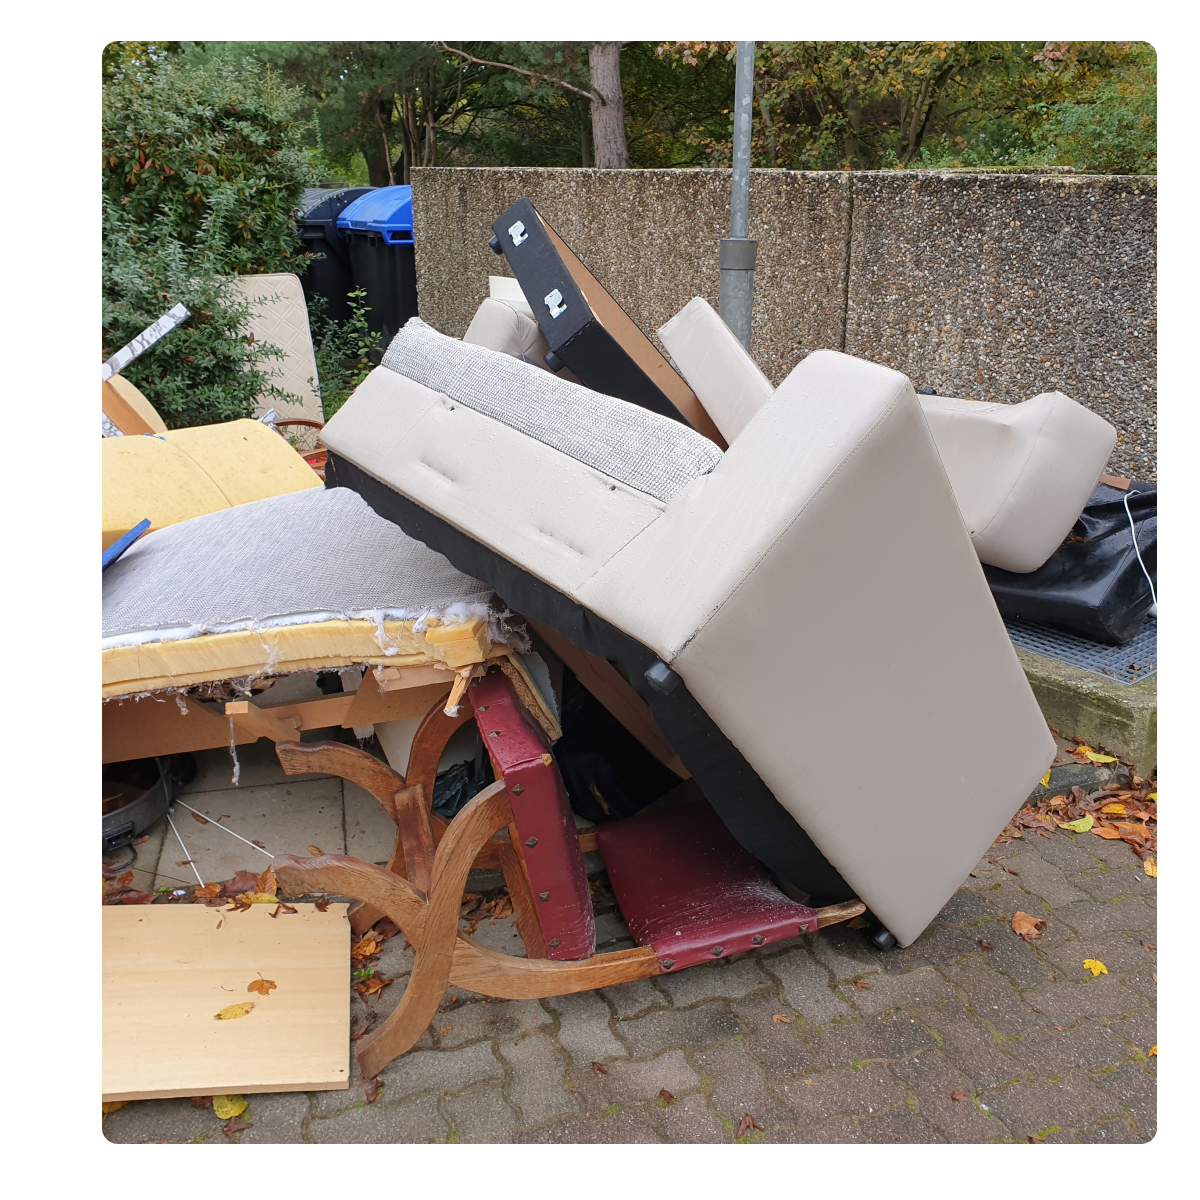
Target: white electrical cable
227	830
1133	530
184	848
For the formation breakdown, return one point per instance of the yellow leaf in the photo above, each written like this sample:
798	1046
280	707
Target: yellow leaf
1151	868
1081	826
1046	779
233	1011
112	1105
227	1107
1095	966
1119	809
259	898
1153	796
1153	1052
1088	752
261	986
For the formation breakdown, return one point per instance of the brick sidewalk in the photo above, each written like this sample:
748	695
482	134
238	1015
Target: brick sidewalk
1038	1045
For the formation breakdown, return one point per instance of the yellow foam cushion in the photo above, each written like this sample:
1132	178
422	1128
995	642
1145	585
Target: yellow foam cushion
189	472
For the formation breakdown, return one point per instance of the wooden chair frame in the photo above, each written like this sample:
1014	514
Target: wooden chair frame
422	886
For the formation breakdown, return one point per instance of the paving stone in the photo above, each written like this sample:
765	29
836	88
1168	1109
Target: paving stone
1069	852
901	1126
635	998
932	1082
626	1127
1020	961
537	1087
1008	896
914	989
842	1131
1135	1085
845	952
1064	1003
259	765
966	907
610	928
143	1121
1086	1046
1091	919
382	1124
983	875
276	1118
482	1117
1121	953
938	944
1070	1102
1112	1133
440	1070
739	1085
1116	882
1139	1029
703	1025
1044	879
691	1121
583	1030
1114	853
806	987
842	1093
628	1082
782	1048
896	1036
969	1047
503	1020
993	997
394	960
715	981
1143	982
503	936
370	832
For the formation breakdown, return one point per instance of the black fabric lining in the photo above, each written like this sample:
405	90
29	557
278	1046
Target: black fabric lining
746	805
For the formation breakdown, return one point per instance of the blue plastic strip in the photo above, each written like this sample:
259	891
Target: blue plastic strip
123	543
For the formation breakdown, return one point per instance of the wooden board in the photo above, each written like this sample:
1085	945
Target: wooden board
372	705
169	969
157	725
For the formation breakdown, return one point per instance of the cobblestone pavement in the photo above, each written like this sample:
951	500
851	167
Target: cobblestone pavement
820	1040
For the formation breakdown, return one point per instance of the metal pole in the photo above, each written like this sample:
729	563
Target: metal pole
739	253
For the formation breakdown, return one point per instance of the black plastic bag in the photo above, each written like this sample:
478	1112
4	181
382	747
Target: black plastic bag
1093	584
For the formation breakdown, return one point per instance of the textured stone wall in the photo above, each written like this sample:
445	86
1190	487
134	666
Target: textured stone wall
991	286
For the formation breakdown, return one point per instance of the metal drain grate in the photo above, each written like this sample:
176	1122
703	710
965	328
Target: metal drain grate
1131	663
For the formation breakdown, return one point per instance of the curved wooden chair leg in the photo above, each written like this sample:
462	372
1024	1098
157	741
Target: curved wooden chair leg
488	812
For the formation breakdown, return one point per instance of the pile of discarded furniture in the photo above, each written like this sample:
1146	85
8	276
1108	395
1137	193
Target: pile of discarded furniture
776	591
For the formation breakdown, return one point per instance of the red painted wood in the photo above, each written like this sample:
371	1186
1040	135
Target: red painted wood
542	815
689	890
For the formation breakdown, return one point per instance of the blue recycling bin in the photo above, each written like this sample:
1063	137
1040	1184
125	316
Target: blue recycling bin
378	230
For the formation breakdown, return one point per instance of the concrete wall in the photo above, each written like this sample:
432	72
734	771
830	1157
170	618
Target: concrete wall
991	286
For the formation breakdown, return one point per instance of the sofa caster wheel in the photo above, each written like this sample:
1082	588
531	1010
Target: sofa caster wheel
884	939
553	362
494	243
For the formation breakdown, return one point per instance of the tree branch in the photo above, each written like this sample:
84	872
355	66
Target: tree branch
535	75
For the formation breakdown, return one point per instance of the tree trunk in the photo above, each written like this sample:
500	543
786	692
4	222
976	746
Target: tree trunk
377	167
608	119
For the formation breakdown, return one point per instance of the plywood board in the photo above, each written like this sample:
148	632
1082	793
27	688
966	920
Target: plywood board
169	969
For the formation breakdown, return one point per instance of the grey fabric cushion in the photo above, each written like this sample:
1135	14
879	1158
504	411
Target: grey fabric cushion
649	452
308	556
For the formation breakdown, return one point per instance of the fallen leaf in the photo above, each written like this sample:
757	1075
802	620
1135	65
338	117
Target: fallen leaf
266	882
1107	832
262	986
232	1011
227	1107
281	907
1149	946
1155	976
360	1029
1028	927
210	891
243	881
315	851
385	930
373	1088
599	1069
1152	796
984	945
202	1102
1096	967
198	817
134	897
1092	756
861	985
1153	1051
184	862
365	948
665	1098
1034	1140
236	1126
961	1095
1045	780
1082	825
748	1123
780	1019
256	842
1057	801
367	987
1151	868
258	898
109	1106
1119	809
1052	977
322	905
858	923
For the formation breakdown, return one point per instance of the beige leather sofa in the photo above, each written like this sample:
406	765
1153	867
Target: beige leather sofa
1021	473
804	613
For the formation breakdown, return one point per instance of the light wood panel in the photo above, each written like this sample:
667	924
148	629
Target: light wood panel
169	969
